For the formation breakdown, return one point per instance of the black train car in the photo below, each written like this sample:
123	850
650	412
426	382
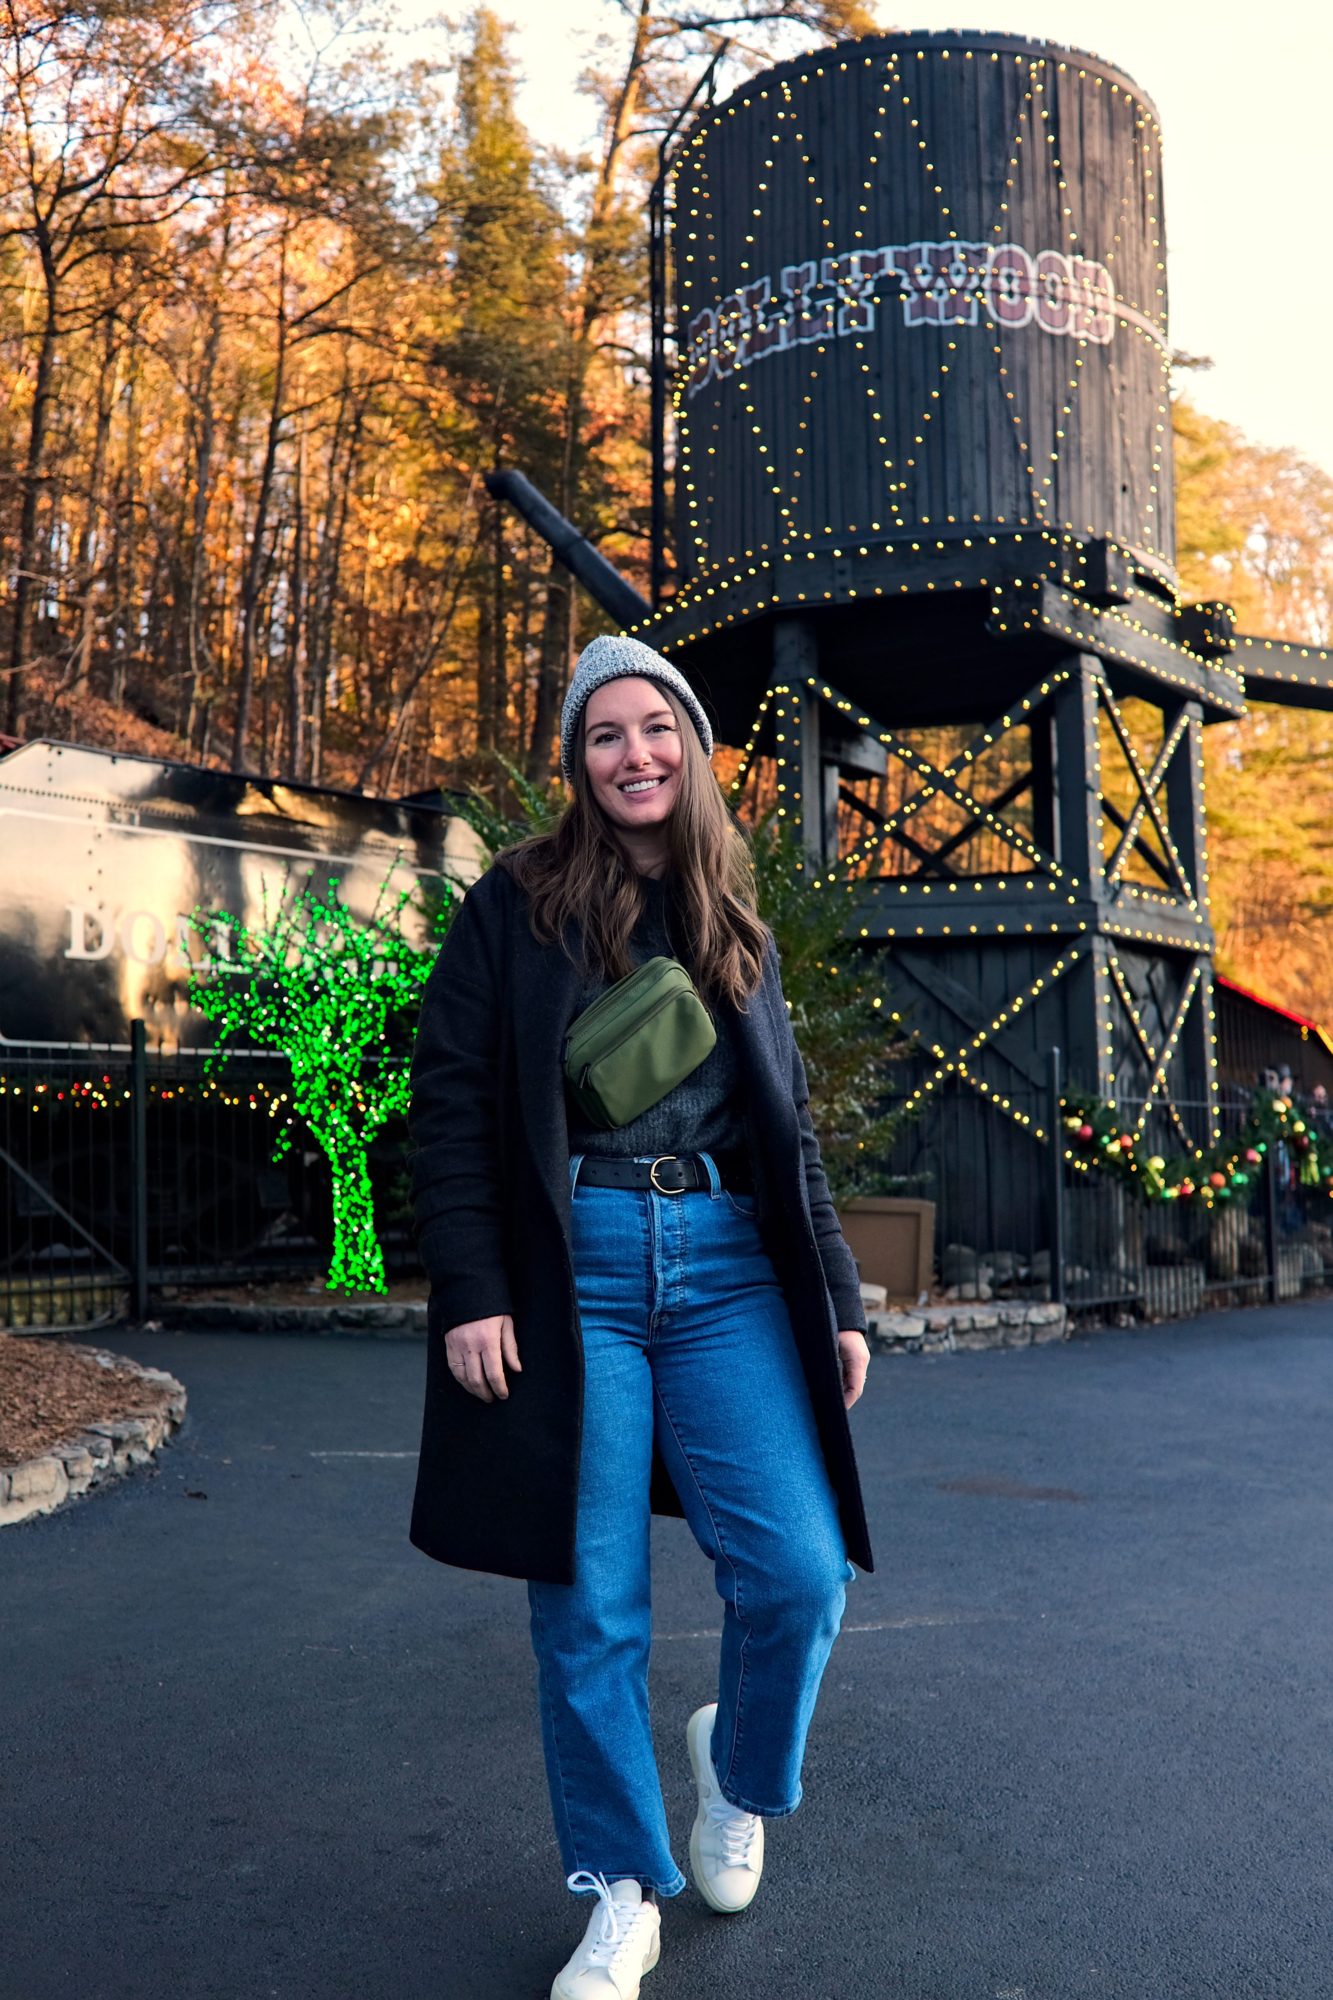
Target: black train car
106	856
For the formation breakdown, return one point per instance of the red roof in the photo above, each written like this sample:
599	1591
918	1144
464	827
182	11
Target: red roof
1273	1006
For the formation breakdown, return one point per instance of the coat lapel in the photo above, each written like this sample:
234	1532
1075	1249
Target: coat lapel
543	992
763	1046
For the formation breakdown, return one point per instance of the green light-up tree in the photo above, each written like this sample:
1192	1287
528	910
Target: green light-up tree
328	990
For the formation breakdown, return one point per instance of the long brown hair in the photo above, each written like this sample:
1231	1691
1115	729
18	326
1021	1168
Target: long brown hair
579	874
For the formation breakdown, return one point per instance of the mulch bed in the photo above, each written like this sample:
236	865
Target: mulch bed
50	1391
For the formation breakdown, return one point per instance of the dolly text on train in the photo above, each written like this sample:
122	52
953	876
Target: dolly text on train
938	284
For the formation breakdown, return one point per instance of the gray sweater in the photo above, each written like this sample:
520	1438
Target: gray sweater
703	1114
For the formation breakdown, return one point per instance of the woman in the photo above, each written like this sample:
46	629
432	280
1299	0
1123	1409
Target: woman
660	1317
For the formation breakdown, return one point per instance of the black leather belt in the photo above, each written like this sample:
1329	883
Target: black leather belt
669	1173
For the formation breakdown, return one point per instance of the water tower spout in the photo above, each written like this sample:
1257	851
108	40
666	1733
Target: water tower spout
603	583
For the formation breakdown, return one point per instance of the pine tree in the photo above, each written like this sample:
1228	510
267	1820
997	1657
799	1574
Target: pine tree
506	329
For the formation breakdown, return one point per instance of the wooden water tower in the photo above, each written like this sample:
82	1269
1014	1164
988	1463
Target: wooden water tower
912	426
912	306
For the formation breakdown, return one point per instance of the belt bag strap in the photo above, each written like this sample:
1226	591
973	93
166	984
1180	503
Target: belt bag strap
638	1041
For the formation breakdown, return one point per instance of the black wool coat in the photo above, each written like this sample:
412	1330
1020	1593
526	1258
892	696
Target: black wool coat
497	1482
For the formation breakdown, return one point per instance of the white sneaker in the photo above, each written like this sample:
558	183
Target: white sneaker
621	1943
726	1844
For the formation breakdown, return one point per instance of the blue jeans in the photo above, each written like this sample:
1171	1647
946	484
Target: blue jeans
686	1339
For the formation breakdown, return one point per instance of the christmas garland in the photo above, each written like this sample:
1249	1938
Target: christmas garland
1222	1172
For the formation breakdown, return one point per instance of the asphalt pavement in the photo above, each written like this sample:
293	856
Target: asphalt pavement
1076	1738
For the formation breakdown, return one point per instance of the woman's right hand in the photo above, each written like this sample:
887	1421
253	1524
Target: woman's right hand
477	1352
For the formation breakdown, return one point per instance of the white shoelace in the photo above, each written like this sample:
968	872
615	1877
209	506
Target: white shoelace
737	1830
617	1918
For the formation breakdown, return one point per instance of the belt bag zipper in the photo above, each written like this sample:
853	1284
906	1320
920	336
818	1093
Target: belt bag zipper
639	1025
590	1022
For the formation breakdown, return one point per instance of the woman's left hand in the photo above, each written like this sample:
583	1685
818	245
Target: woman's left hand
854	1359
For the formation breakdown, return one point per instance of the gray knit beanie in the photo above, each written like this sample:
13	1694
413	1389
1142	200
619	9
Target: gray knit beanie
612	657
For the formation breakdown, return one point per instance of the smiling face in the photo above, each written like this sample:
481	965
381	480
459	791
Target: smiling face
633	755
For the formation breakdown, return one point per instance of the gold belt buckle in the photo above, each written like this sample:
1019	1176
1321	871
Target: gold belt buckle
652	1174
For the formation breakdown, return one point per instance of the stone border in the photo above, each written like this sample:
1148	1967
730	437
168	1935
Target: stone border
100	1453
385	1322
931	1329
947	1329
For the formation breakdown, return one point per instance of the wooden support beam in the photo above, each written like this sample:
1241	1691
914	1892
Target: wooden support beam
1126	825
1276	670
1142	639
795	659
1077	802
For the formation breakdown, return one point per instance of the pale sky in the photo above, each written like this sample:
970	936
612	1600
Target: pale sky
1245	96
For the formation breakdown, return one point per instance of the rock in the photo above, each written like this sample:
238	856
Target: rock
906	1325
977	1289
874	1297
958	1264
1040	1267
1005	1266
80	1465
1049	1323
40	1479
904	1333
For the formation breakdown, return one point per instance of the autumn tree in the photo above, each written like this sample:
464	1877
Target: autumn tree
1255	527
100	144
270	308
500	242
317	166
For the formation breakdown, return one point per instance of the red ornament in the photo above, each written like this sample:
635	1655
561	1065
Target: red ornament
1085	1132
1217	1180
1186	1189
1251	1156
1126	1143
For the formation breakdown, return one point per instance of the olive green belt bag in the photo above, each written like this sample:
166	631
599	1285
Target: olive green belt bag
637	1042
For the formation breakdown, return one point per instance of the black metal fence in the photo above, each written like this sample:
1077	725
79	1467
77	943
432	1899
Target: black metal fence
1015	1220
1261	1241
123	1173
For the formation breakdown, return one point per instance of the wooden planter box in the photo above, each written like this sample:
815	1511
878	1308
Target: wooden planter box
892	1238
